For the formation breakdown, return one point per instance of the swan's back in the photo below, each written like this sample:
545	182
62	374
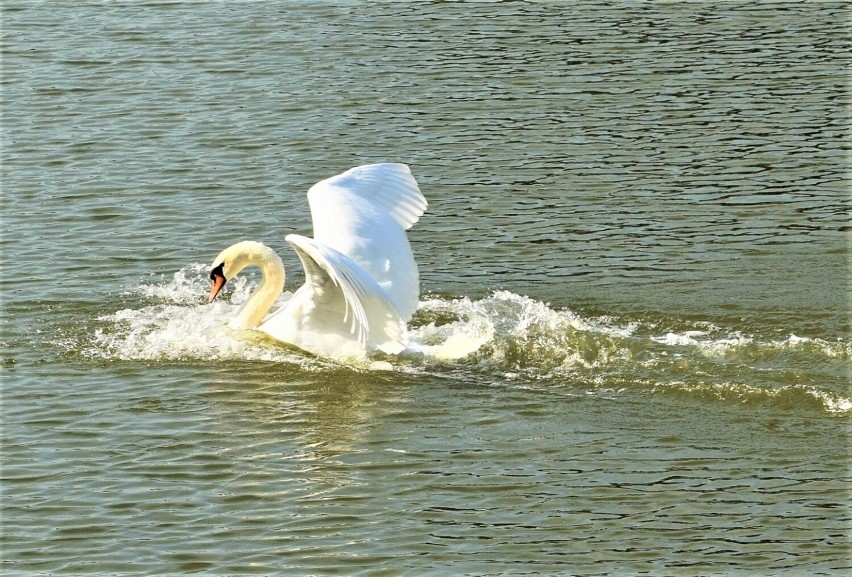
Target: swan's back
364	213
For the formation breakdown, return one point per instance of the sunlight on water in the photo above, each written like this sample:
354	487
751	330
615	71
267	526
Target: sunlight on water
632	351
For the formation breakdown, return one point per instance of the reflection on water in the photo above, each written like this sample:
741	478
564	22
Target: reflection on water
317	480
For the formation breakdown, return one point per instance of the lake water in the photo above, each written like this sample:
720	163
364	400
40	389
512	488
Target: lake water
638	231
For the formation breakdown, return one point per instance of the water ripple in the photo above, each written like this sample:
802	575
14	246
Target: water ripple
668	184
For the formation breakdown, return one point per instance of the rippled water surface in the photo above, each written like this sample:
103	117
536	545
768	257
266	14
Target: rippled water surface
634	330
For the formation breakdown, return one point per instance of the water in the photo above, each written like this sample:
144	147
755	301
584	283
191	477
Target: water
634	278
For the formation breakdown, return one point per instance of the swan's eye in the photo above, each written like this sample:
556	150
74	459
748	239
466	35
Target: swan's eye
218	271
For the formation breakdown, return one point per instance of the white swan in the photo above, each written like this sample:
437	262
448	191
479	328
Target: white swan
361	281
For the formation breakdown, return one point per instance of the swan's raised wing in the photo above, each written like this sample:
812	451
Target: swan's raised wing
339	304
363	213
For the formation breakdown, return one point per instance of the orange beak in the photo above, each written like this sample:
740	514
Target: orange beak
218	285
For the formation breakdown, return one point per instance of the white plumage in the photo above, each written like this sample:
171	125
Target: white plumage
361	281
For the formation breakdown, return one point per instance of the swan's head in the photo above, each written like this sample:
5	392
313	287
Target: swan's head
234	259
217	275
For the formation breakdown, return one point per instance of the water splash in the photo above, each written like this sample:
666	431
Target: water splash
516	333
176	323
506	336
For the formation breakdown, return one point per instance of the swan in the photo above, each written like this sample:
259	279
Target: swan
361	282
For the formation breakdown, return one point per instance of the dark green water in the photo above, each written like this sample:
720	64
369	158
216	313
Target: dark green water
638	231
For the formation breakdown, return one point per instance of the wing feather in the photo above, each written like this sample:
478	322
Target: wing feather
363	213
331	277
389	186
325	271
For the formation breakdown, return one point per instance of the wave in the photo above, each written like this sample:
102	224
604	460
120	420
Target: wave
507	337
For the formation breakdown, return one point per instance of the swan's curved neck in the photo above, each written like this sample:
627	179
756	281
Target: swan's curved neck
271	285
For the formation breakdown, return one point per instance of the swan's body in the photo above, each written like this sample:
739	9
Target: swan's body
361	281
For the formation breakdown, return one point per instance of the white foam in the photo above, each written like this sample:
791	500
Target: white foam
835	349
179	324
513	332
505	334
831	402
